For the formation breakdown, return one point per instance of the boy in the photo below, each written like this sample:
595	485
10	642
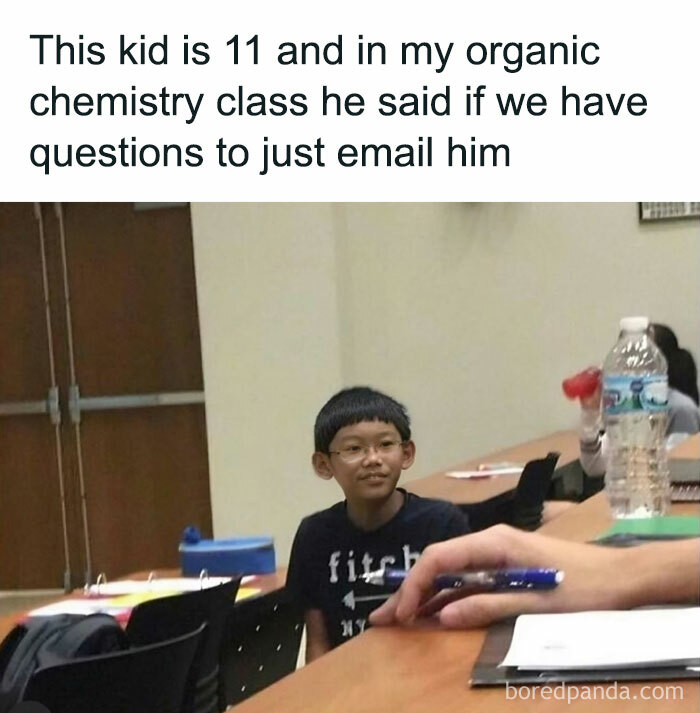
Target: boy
363	441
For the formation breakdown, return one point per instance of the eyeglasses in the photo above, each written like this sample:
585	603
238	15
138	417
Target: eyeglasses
355	453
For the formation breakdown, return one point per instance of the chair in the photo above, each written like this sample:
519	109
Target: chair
261	645
531	491
570	482
521	508
167	617
149	679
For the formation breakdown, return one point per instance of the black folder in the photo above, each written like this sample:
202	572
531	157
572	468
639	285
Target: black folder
487	672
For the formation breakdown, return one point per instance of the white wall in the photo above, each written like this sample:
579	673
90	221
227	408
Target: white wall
270	350
471	314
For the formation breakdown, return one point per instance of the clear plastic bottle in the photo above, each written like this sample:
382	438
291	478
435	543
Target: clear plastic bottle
635	411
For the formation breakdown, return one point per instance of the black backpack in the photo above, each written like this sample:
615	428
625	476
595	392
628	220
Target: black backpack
47	641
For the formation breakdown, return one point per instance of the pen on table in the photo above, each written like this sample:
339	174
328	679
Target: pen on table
495	580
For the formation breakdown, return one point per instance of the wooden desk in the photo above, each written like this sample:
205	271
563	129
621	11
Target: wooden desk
690	448
414	671
455	490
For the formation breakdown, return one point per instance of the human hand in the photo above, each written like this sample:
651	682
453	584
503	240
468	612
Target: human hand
592	401
591	579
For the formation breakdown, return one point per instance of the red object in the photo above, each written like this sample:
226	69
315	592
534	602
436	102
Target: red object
582	384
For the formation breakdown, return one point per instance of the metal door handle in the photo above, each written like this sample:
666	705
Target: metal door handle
77	403
27	408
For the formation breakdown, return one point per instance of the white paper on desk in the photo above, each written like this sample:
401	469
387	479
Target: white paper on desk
486	473
83	607
605	639
165	584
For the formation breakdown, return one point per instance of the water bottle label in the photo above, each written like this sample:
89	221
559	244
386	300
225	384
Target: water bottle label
623	394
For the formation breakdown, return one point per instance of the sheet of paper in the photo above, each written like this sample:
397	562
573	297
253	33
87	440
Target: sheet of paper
82	607
605	639
485	472
166	584
246	593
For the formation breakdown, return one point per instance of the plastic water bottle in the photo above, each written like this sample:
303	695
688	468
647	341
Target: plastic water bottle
635	410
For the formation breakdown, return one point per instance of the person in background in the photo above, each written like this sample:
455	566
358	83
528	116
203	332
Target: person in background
595	577
682	372
683	411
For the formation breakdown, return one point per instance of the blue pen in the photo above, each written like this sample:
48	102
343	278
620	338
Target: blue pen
496	580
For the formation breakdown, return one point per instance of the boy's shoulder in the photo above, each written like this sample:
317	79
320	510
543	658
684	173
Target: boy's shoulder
323	518
436	519
414	506
418	506
418	503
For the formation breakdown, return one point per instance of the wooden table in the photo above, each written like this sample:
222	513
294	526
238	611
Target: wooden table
458	490
465	491
415	671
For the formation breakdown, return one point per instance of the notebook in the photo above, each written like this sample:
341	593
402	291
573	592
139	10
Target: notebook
633	531
596	657
605	639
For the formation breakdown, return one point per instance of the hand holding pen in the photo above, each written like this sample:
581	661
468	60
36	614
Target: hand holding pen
595	579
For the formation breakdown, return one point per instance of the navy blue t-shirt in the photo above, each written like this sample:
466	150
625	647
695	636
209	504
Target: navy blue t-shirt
330	553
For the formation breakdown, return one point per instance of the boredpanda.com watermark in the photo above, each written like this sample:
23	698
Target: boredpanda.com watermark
594	692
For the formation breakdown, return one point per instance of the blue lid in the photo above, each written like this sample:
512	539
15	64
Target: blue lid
191	535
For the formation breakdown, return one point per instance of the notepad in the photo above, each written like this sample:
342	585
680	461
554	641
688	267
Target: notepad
606	639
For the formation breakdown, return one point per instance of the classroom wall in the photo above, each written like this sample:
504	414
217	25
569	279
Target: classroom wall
270	352
469	313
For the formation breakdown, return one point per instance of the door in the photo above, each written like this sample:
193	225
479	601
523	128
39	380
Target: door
128	364
32	539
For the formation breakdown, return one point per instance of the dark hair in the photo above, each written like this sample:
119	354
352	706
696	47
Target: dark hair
682	372
664	338
359	403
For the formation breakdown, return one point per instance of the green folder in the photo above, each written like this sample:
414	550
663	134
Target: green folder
669	526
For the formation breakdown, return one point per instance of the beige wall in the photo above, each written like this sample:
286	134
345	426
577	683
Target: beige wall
268	318
469	313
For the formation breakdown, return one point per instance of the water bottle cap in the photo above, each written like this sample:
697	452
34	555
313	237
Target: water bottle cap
634	324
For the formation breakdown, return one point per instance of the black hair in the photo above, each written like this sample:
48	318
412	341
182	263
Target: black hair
359	403
664	338
682	372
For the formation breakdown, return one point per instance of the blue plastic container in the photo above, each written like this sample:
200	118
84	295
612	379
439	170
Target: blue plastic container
236	555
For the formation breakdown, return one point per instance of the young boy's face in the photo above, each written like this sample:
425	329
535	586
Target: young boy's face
366	459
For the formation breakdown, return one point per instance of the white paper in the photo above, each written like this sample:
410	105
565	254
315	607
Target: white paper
166	584
83	607
600	639
486	473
